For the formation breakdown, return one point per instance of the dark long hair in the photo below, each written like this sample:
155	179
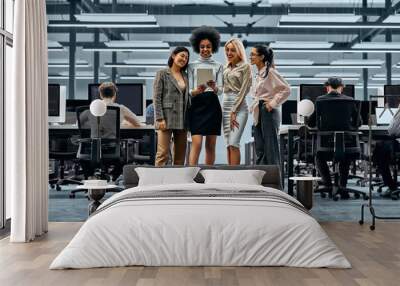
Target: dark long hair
176	51
268	53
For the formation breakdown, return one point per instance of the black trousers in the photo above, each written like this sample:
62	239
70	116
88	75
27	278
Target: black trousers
321	161
266	136
382	156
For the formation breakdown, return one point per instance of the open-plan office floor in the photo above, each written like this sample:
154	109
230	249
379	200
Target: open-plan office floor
64	209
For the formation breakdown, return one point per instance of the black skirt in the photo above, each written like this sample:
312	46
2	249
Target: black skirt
205	114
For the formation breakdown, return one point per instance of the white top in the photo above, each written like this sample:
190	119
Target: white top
125	112
206	63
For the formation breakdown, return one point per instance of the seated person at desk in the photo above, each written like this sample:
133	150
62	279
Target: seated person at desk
150	114
108	93
334	87
383	152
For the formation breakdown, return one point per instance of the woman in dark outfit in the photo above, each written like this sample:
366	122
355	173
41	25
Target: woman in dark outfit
205	113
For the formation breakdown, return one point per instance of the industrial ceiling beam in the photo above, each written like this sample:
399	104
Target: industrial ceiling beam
91	45
363	35
91	7
223	30
55	9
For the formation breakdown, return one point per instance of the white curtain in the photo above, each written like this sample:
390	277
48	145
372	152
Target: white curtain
26	123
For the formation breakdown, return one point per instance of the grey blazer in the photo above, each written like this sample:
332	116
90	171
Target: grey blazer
170	103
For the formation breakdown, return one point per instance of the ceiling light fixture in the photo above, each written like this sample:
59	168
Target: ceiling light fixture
337	25
302	44
318	18
63	63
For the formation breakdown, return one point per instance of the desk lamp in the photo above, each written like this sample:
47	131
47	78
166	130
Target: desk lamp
97	108
305	108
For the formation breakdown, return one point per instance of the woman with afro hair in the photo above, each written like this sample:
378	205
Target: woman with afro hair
205	113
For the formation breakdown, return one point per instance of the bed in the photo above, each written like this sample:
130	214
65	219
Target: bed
197	224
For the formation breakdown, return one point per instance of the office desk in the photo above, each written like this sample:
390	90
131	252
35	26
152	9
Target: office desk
69	130
288	132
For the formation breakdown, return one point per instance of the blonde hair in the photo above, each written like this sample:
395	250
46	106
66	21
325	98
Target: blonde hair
237	43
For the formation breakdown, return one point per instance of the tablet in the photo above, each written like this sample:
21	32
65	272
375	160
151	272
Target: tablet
204	75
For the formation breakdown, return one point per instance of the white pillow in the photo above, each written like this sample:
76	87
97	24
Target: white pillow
248	177
166	176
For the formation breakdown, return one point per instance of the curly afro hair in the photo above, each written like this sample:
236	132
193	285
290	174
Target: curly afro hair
202	33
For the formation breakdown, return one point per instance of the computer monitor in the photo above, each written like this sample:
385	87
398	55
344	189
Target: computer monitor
349	90
312	91
56	101
129	94
289	108
384	116
393	90
72	104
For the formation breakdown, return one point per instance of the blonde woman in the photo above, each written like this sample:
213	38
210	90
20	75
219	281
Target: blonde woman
237	82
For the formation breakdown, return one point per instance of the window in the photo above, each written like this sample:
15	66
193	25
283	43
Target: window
2	205
7	90
6	29
9	15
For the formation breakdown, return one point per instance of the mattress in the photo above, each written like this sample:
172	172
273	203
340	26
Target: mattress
201	225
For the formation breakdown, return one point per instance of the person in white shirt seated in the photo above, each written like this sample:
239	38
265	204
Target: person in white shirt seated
108	93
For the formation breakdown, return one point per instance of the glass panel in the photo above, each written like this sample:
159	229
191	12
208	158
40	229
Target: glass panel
7	90
1	135
1	14
9	15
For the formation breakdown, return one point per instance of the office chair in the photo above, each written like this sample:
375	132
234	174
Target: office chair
100	145
62	149
395	195
135	151
304	152
338	138
394	162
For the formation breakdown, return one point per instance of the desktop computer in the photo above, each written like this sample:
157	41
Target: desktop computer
312	91
56	103
392	93
129	94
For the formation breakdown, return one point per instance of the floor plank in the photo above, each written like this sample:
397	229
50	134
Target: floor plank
375	257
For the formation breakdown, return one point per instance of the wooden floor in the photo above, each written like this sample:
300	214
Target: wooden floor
375	257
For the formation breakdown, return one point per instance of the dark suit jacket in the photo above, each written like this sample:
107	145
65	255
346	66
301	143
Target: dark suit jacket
330	96
170	102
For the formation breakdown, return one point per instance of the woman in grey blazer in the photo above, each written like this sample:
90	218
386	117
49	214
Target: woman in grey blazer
171	101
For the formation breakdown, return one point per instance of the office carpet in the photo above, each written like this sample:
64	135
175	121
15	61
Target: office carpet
62	208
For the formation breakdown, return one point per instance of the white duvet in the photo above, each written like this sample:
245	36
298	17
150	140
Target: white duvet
200	231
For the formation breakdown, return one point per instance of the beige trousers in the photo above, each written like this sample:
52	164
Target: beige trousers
163	146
